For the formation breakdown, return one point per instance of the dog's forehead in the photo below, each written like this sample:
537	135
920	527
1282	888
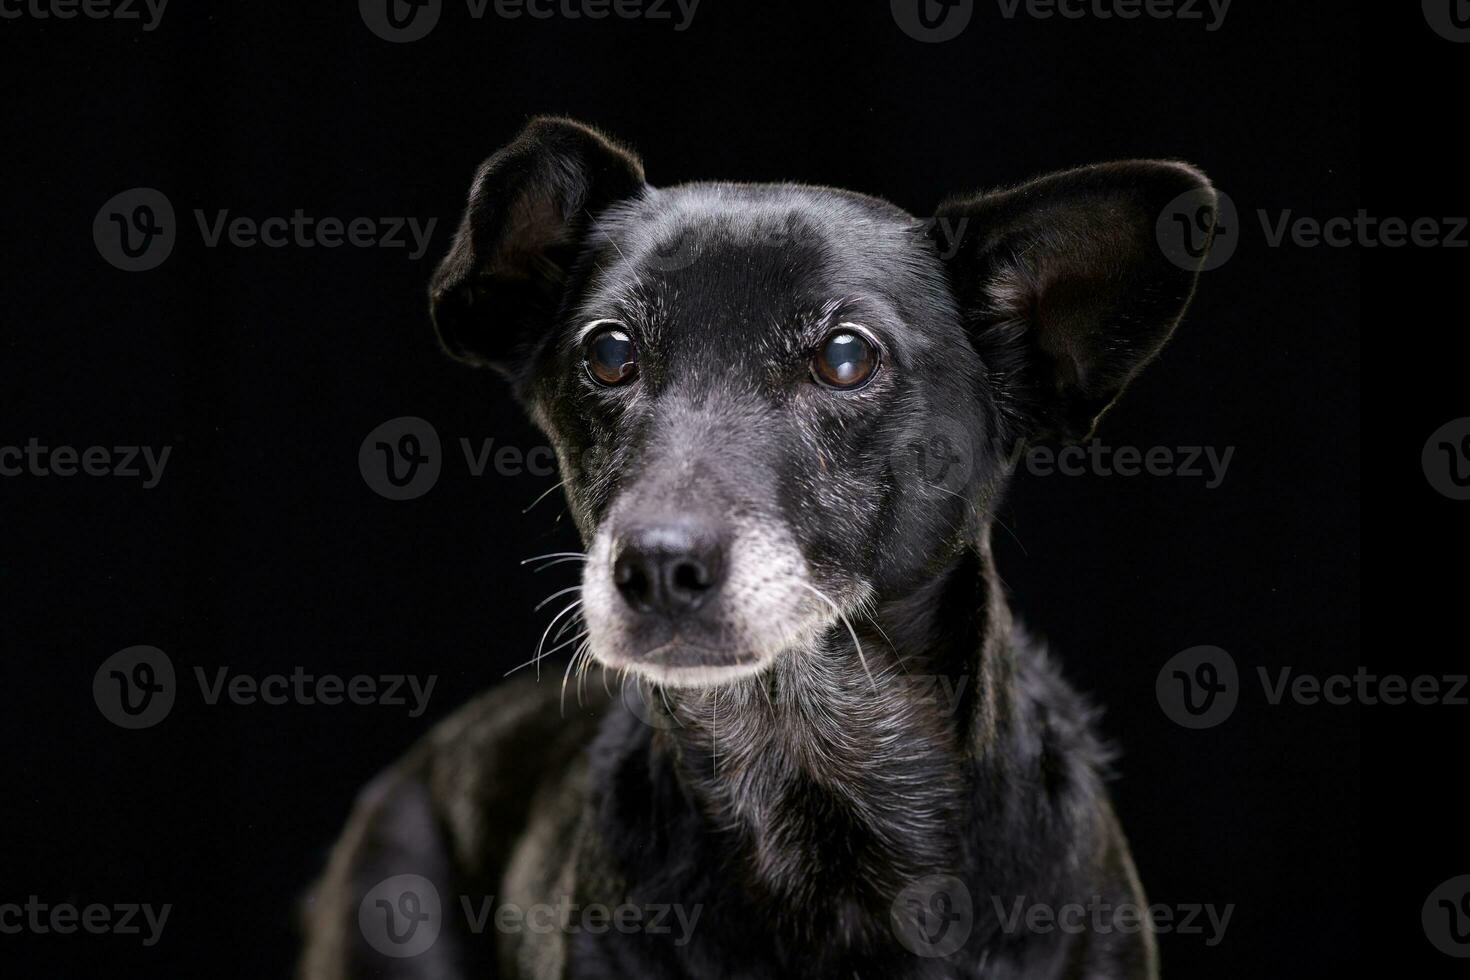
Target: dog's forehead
747	261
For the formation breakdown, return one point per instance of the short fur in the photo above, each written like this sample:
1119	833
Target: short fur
792	772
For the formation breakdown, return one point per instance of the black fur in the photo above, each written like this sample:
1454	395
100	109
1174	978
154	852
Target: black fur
793	805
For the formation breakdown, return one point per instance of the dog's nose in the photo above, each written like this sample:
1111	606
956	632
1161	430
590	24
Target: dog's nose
669	566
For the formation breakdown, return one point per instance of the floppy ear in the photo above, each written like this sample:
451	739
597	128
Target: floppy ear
528	216
1068	287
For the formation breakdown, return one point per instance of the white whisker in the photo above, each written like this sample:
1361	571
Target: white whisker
560	561
556	554
548	493
554	596
850	631
542	644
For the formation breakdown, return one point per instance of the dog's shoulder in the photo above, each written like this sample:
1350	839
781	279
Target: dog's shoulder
488	758
450	811
1060	722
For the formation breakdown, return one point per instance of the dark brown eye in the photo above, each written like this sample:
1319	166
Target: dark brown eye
846	360
611	359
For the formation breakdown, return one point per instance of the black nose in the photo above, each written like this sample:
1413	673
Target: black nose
669	566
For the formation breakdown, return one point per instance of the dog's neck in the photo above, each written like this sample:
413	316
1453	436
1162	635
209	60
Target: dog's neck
853	776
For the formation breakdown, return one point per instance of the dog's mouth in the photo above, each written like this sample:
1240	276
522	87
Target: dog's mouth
686	612
676	656
679	663
679	653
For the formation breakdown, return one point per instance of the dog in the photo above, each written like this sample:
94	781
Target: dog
785	416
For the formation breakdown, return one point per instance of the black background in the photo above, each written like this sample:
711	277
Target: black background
263	549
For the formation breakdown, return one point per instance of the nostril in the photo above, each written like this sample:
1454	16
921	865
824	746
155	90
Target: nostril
633	580
690	577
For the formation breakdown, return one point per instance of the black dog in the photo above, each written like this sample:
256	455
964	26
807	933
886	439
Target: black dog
784	416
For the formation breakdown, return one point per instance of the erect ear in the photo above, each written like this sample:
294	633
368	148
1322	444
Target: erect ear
530	210
1068	288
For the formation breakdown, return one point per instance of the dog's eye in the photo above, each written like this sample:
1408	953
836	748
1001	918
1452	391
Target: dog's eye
846	360
611	359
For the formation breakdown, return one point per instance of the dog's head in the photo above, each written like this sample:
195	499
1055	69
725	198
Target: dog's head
773	404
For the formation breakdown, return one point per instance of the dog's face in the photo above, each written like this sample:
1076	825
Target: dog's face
731	390
773	405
